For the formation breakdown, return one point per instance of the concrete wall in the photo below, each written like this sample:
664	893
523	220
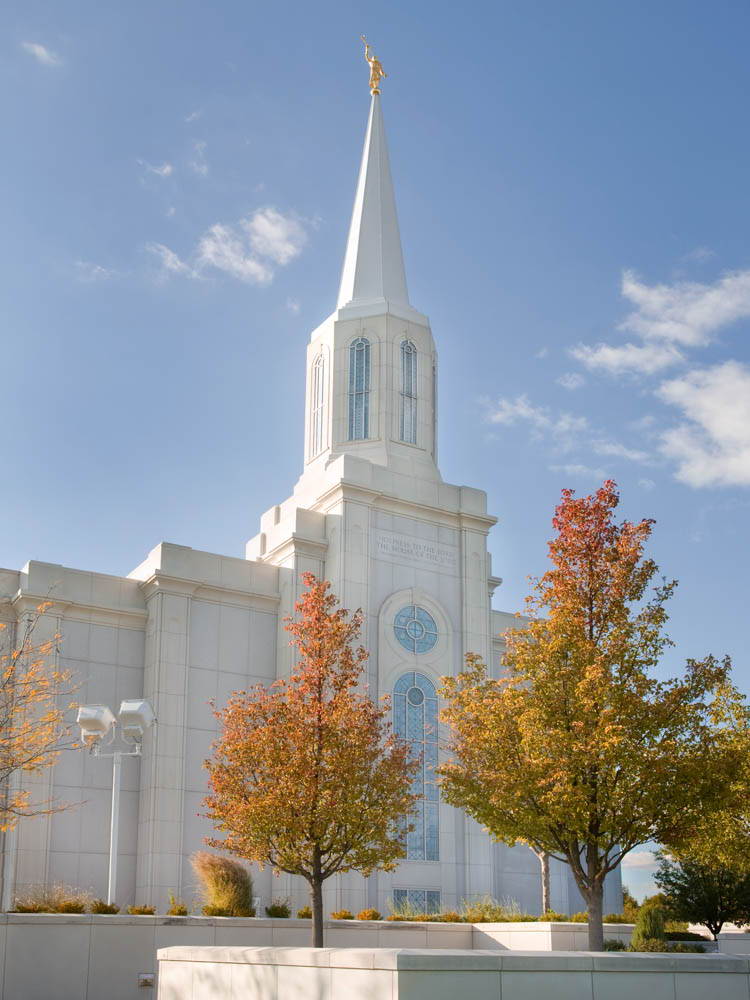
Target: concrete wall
96	957
361	974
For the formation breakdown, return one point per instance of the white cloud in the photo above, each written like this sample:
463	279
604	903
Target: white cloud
88	272
163	170
712	444
639	859
669	319
577	471
251	250
617	450
170	261
198	163
542	353
223	248
293	306
571	380
276	236
699	254
564	428
647	484
645	359
42	54
193	116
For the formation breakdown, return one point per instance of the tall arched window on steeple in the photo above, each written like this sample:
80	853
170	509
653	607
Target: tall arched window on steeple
317	405
359	390
408	392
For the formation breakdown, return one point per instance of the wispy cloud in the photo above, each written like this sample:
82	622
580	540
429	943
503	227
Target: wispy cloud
571	380
647	484
712	443
162	170
578	471
563	427
563	430
639	859
250	250
617	450
198	163
668	320
193	116
88	272
171	263
293	306
42	54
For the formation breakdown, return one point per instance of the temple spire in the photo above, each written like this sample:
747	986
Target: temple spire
373	265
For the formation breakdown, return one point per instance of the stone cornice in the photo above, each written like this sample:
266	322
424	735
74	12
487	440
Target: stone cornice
163	583
26	603
344	490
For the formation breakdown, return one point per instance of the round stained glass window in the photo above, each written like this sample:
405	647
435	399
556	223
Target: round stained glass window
415	629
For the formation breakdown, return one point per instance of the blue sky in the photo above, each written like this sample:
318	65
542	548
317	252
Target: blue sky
573	197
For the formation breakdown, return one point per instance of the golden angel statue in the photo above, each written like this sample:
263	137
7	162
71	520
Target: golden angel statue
376	68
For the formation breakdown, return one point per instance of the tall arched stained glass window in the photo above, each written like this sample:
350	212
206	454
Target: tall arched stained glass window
408	392
317	405
359	390
415	719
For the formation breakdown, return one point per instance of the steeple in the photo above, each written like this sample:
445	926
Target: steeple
373	271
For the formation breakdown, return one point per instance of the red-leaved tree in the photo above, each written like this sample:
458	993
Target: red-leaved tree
306	776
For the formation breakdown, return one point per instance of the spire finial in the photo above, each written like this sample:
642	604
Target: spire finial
376	68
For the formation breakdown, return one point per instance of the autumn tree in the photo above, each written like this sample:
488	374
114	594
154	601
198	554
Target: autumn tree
578	750
306	776
33	731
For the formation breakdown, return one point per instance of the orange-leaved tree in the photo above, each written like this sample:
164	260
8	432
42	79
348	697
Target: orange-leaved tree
33	729
306	776
578	750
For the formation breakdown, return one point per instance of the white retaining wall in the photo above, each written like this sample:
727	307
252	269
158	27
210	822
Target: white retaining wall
383	974
99	957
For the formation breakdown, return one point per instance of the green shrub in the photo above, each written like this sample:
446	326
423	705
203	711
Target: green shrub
225	884
141	911
684	936
305	913
581	917
650	944
554	917
648	927
614	944
449	917
342	915
616	918
176	907
215	911
279	908
487	910
99	906
369	915
687	948
57	898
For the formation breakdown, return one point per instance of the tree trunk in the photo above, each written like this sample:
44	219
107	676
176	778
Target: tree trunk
596	927
316	905
544	862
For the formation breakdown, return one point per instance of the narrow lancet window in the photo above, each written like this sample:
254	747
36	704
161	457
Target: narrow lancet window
317	405
415	718
359	390
408	392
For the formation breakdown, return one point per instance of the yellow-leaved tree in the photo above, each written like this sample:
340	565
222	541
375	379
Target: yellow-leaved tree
307	776
33	730
578	750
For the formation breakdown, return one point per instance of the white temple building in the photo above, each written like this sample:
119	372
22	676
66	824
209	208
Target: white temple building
372	514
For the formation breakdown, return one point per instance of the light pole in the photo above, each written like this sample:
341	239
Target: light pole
98	729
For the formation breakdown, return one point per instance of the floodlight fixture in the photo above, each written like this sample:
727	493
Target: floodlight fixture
135	716
96	723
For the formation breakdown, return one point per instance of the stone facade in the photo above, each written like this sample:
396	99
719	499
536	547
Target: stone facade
372	514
